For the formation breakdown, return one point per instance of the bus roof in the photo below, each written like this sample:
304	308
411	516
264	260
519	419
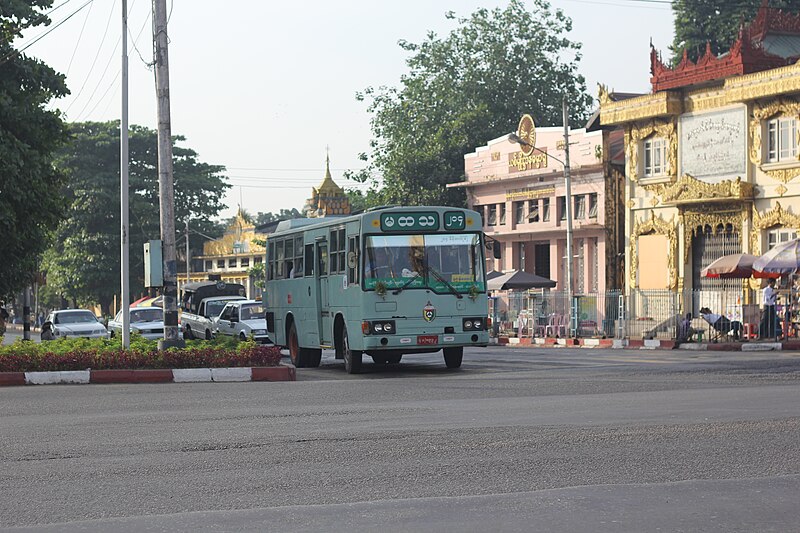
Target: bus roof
287	226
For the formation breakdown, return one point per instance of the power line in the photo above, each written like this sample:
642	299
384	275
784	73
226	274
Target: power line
148	64
78	42
12	53
96	56
321	170
102	76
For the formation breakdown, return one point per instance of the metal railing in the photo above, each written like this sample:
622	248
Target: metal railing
640	314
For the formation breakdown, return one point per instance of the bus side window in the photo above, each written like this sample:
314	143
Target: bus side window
298	257
323	261
309	261
279	257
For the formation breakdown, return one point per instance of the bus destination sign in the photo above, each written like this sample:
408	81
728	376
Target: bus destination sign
421	221
454	220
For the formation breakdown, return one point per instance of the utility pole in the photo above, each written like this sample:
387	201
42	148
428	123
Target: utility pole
166	196
26	314
188	267
568	199
123	189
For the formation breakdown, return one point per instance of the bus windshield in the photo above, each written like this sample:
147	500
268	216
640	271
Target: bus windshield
431	261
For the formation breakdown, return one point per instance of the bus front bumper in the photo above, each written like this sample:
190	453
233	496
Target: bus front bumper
437	341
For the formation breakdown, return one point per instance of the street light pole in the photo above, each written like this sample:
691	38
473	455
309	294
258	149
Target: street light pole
123	188
514	138
568	194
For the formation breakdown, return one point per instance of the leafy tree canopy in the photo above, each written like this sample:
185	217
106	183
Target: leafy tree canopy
84	263
30	203
464	90
715	21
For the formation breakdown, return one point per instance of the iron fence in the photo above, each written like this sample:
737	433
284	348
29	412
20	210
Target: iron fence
640	314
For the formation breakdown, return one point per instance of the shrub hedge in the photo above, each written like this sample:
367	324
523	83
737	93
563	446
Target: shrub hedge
107	354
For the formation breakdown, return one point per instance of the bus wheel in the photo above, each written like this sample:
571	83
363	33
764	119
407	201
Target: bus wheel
453	356
352	358
296	354
312	357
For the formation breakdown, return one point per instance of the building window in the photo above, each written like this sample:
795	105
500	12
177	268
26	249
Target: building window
593	205
209	266
232	263
502	208
781	139
533	210
492	215
546	209
519	210
780	235
257	260
580	207
245	262
220	263
655	157
562	208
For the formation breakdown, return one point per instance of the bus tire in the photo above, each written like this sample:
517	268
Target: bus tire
352	358
312	357
296	354
453	357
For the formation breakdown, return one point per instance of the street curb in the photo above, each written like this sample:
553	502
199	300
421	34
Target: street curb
283	372
648	344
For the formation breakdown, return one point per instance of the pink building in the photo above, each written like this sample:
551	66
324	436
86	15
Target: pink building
523	203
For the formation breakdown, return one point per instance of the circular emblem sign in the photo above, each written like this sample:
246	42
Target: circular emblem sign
429	312
527	132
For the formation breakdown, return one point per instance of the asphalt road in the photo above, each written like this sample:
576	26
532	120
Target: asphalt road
517	440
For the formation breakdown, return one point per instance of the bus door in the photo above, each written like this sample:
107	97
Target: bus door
323	303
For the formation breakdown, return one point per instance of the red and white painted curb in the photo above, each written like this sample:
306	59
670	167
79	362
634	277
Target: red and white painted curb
283	372
646	344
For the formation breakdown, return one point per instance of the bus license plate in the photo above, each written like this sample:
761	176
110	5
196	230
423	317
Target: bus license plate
427	339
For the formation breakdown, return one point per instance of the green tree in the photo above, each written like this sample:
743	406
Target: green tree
84	264
714	21
283	214
30	203
465	89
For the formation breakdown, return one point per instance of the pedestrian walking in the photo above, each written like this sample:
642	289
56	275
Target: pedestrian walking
766	329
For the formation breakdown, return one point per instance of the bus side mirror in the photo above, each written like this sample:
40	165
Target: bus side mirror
352	260
496	249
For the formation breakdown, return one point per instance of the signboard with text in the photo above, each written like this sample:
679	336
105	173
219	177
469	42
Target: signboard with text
420	221
713	146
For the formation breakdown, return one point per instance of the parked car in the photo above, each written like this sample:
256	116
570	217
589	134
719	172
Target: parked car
72	323
241	319
202	302
147	321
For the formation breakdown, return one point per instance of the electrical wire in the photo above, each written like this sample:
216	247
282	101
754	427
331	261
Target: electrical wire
12	53
96	56
78	42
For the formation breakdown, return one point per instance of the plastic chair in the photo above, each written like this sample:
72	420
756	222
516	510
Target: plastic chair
557	326
541	329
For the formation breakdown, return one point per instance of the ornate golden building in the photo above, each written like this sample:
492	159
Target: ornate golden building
711	156
231	256
328	198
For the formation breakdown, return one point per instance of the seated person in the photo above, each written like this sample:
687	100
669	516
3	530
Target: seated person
685	329
721	323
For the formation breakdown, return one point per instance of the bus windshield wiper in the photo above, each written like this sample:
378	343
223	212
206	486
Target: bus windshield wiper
406	284
440	277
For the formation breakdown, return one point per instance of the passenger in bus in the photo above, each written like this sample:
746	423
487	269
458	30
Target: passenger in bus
290	269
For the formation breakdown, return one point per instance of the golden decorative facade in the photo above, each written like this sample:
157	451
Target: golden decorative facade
723	162
328	198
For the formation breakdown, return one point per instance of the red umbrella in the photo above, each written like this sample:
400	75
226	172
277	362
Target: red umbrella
734	266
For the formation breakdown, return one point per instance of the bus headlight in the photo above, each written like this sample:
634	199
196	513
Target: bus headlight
468	324
474	323
382	327
477	324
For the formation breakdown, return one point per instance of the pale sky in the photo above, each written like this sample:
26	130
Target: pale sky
263	87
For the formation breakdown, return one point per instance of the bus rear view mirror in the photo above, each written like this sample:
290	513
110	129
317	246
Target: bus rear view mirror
352	260
496	249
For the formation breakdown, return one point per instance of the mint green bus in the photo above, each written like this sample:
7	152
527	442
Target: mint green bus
386	283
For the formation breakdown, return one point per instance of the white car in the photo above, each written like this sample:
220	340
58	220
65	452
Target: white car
73	323
147	321
241	319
